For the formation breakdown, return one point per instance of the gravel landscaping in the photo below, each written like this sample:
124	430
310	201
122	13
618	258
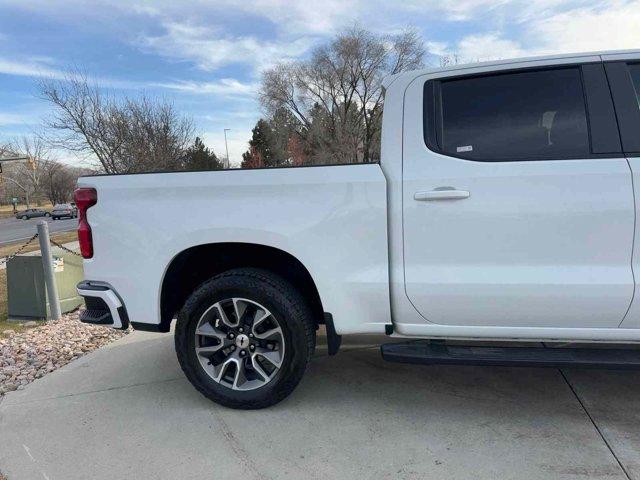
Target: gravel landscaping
37	351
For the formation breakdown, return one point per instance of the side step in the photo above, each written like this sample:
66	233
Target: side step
423	352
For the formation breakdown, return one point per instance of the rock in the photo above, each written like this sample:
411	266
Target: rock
46	346
30	324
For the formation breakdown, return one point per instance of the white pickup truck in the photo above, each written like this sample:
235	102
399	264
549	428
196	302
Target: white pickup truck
503	208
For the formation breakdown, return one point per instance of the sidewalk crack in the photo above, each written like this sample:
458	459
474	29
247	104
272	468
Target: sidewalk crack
595	425
94	391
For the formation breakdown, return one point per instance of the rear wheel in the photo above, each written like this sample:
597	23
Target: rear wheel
24	217
244	338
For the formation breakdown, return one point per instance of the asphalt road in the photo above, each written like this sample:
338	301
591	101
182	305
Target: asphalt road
127	411
12	229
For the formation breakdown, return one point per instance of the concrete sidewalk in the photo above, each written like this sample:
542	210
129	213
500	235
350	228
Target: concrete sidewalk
126	412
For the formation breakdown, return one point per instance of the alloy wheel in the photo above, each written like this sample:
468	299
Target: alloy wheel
239	344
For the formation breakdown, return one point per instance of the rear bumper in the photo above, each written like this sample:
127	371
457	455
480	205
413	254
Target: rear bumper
104	305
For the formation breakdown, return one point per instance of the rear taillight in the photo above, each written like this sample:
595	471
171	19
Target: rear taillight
85	198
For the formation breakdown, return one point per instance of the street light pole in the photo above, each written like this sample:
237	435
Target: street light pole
226	146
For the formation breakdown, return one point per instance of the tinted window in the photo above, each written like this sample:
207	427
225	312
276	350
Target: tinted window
635	77
514	116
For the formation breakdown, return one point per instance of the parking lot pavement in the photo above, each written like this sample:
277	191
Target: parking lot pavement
126	411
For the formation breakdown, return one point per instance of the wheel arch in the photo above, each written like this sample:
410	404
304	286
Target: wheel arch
193	266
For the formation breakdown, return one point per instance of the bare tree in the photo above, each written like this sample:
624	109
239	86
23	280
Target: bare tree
449	59
26	174
336	95
124	134
59	182
31	172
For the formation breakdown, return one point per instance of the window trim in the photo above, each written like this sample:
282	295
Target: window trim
432	120
624	94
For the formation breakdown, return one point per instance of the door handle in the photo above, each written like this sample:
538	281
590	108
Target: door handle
441	194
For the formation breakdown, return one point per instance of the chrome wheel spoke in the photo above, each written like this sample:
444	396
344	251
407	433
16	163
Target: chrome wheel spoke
265	376
208	351
207	330
221	369
239	307
269	334
273	356
240	378
239	344
258	319
223	315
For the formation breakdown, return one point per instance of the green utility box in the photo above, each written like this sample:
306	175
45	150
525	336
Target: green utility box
26	290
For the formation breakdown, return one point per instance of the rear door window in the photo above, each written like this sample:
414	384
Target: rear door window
514	116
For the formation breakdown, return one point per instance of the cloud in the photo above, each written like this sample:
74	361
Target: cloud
606	26
558	28
437	48
210	49
7	119
303	17
28	68
490	46
229	87
456	10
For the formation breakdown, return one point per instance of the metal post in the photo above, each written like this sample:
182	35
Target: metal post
47	263
226	146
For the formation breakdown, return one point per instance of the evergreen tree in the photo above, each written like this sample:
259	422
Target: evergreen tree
284	127
261	148
200	157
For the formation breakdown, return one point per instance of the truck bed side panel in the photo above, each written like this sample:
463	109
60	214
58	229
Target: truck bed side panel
332	219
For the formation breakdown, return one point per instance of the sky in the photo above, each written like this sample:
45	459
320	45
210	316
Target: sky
207	56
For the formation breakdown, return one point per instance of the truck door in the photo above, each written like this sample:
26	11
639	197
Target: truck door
518	205
624	78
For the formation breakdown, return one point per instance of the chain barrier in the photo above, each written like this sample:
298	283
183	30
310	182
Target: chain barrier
19	251
4	260
62	247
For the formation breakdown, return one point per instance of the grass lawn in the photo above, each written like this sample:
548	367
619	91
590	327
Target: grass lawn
64	237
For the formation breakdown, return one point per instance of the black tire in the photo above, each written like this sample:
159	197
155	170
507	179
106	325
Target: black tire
286	304
47	214
24	217
54	218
